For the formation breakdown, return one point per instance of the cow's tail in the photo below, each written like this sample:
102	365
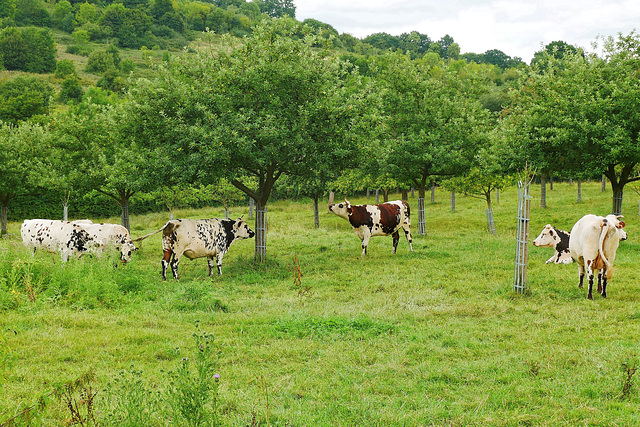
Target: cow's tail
150	234
603	237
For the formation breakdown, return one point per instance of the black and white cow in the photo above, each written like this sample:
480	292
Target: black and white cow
377	220
65	237
113	235
199	238
551	237
593	244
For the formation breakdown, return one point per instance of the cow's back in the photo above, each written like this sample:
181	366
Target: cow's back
193	238
53	235
585	236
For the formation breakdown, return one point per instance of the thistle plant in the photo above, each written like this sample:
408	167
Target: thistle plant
193	389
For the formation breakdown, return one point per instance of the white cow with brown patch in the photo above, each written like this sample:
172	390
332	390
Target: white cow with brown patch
593	244
200	238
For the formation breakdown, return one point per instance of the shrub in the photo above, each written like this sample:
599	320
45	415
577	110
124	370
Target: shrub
71	90
65	68
100	61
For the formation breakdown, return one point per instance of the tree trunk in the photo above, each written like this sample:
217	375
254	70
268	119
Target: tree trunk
4	214
261	232
4	211
543	190
124	219
550	182
604	183
579	191
433	192
368	193
65	211
405	194
251	206
385	196
377	196
617	199
316	212
490	223
453	200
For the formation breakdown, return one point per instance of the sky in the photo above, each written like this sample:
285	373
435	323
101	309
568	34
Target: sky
519	28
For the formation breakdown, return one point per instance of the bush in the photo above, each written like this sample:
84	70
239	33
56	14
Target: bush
100	61
71	90
127	65
65	68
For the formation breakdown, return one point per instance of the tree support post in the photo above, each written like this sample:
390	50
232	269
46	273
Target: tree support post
522	238
261	233
422	228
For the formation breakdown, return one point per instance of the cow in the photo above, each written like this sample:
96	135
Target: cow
593	243
551	237
112	235
199	238
376	220
65	237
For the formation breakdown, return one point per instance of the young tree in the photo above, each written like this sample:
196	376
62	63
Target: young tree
103	157
433	124
261	109
23	163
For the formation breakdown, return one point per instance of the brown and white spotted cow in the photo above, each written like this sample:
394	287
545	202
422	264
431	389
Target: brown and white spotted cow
593	244
377	220
65	237
113	235
199	238
551	237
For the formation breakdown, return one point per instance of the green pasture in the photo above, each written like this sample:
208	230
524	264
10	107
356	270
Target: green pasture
434	337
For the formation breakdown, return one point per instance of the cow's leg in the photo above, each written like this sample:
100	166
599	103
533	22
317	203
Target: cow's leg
396	239
581	272
603	272
590	277
600	274
366	235
407	234
166	258
174	265
219	257
211	264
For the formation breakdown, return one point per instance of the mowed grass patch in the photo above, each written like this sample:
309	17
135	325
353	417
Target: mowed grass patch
431	337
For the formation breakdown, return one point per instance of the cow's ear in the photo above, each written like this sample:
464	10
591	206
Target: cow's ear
621	224
551	232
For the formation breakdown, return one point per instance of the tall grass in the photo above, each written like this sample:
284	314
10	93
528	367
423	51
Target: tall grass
433	337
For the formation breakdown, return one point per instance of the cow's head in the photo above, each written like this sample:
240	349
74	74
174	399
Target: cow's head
341	209
126	249
615	221
242	230
548	237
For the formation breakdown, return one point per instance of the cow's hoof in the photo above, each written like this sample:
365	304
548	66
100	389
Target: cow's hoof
590	297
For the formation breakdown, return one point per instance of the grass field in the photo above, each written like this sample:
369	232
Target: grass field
434	337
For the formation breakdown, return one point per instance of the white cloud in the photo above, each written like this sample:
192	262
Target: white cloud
518	28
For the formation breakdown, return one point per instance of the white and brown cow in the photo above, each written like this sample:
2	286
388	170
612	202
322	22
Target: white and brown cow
377	220
551	237
65	237
112	235
593	244
197	239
